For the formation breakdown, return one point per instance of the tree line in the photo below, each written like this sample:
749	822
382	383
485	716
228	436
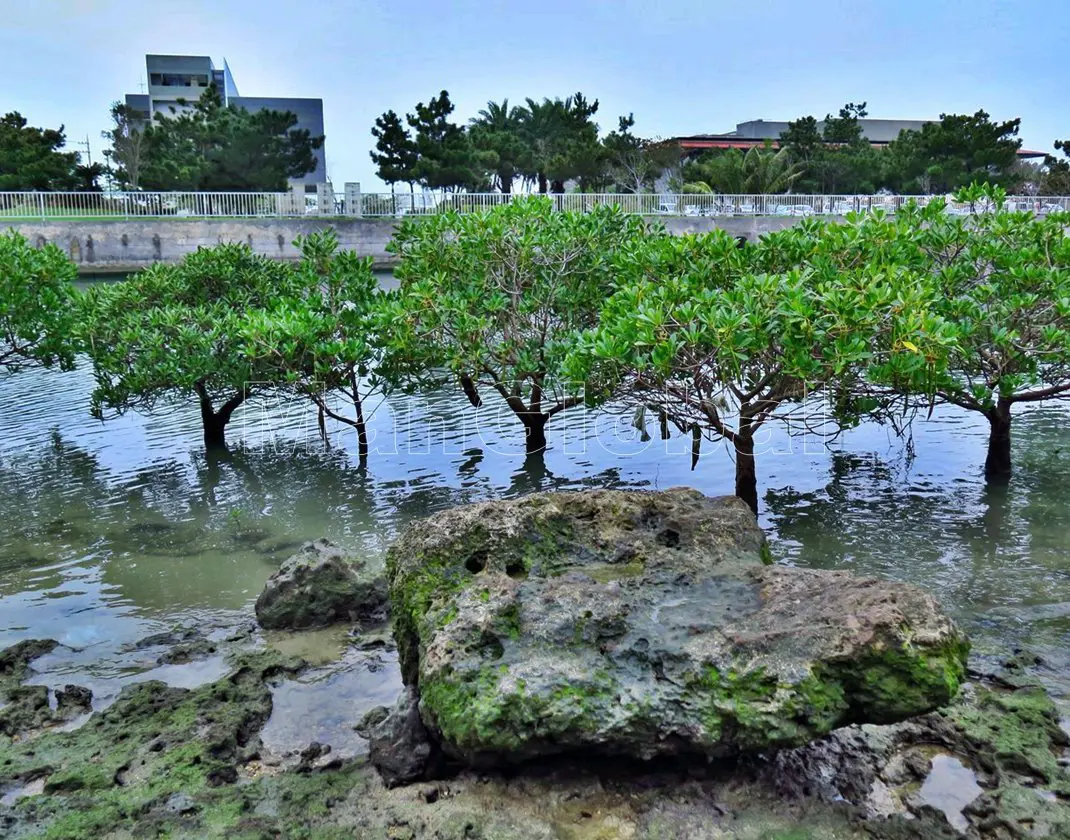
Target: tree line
200	146
554	144
834	157
544	146
538	146
877	318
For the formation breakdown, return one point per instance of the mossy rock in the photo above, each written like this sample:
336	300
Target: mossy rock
521	645
321	585
137	762
1003	734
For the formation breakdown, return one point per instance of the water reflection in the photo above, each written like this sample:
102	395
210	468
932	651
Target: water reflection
116	530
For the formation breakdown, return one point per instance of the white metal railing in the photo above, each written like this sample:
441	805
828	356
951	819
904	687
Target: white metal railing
326	202
126	205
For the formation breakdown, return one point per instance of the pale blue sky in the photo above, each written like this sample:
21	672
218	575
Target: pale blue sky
683	66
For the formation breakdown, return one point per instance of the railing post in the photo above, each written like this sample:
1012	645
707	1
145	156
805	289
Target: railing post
354	206
41	205
324	199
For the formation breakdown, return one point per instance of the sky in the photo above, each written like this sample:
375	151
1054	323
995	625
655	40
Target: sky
681	66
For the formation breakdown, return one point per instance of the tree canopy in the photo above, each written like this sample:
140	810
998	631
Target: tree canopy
761	169
174	331
317	338
955	152
708	342
395	154
127	146
446	157
543	143
212	146
1056	177
33	159
498	130
36	305
492	300
636	163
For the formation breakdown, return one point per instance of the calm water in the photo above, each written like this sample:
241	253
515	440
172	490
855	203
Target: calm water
115	530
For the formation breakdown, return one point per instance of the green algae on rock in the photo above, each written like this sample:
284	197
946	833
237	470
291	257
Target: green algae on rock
155	745
521	645
176	763
1003	730
24	707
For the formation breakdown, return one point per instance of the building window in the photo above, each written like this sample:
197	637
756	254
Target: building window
178	79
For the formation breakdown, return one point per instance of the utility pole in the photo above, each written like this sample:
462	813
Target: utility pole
88	151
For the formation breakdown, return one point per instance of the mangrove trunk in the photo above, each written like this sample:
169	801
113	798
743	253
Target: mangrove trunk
215	422
746	476
998	462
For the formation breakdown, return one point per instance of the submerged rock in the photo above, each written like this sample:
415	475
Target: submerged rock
646	624
321	585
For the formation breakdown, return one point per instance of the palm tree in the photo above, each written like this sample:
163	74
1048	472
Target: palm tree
769	171
498	117
498	129
562	140
542	125
762	170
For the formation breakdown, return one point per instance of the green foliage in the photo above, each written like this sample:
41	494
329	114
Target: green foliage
982	316
446	157
497	130
127	139
395	152
563	142
635	163
1000	284
31	159
958	150
317	339
218	147
844	129
833	156
1056	179
171	331
943	156
495	298
760	170
36	305
701	334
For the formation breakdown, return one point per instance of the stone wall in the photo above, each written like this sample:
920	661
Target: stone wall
121	245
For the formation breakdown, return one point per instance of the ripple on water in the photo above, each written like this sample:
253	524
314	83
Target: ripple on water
114	530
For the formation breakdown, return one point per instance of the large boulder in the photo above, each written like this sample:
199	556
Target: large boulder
645	624
319	586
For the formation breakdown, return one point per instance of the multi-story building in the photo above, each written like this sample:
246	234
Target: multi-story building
177	81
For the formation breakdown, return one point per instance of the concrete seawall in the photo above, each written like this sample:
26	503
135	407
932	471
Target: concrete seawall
122	245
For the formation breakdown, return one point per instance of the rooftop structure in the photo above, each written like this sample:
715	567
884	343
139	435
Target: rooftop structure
757	132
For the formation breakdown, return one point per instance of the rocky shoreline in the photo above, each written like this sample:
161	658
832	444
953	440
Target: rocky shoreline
929	758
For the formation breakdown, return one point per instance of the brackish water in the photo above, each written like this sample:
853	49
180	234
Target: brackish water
116	530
